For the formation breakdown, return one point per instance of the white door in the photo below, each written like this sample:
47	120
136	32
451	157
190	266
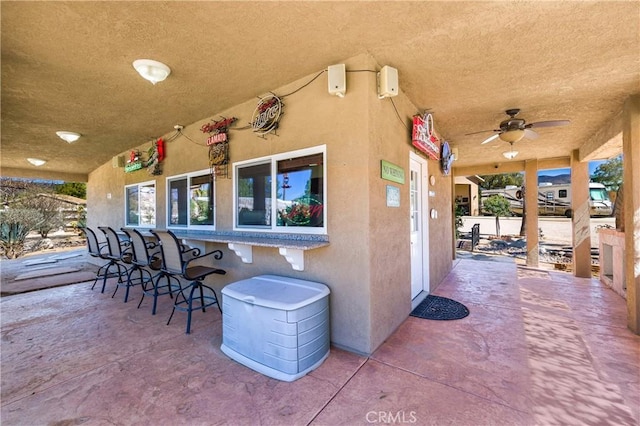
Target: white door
419	235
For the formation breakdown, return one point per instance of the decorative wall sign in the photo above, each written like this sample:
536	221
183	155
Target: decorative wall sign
218	142
156	155
424	136
134	162
391	172
446	158
393	196
267	115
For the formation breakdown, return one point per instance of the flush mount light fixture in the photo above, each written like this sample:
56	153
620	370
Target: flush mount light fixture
68	137
151	70
36	161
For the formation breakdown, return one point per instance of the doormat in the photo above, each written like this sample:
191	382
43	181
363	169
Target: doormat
440	308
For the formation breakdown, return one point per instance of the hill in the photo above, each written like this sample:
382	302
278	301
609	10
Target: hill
558	179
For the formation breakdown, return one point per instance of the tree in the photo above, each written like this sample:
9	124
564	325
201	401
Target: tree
75	189
502	180
609	173
498	206
47	206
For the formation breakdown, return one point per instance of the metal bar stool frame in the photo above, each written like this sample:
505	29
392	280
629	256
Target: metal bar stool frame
147	256
100	250
120	255
175	264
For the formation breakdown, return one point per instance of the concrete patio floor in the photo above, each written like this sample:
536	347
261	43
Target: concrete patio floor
538	348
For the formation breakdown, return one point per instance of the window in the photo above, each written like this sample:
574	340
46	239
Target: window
296	180
140	204
598	194
190	200
562	193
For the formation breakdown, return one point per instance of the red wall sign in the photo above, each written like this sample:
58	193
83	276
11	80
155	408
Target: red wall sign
424	136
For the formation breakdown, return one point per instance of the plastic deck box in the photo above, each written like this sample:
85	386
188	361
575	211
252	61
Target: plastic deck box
276	325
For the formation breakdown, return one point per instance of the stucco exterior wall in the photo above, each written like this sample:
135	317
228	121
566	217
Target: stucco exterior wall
441	228
366	265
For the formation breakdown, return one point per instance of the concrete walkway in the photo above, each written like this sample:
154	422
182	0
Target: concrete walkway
47	269
538	348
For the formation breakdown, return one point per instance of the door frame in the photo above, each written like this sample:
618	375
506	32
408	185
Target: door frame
423	192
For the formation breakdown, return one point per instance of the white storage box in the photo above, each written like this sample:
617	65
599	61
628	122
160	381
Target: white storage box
276	325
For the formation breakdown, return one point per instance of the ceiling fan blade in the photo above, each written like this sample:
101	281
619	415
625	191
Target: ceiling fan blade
490	138
530	134
481	131
550	123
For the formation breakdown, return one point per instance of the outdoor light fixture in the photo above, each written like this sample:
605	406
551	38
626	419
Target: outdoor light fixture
512	135
511	154
36	161
68	137
151	70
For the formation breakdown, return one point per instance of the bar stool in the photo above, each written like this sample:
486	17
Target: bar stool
120	256
99	250
147	257
192	296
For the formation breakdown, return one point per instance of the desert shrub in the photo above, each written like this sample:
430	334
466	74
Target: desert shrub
15	225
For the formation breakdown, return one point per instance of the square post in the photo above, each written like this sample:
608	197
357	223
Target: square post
631	152
581	217
531	200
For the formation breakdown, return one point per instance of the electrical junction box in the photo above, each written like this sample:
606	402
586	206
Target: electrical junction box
277	326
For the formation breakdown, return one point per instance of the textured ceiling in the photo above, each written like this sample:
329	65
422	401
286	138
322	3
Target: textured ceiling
67	66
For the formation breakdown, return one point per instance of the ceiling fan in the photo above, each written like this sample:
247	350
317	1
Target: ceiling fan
513	129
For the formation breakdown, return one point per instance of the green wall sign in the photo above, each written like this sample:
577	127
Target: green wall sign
391	172
132	167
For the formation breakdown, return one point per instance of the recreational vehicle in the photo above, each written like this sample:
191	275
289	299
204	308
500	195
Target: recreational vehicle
554	200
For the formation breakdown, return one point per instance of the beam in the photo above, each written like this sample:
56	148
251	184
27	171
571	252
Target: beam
511	167
591	149
43	174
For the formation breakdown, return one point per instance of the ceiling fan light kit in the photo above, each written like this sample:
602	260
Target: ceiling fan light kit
515	129
68	137
512	135
151	70
510	155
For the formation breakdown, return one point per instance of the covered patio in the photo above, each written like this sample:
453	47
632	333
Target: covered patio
538	347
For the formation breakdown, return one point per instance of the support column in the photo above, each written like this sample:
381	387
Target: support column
631	161
581	218
453	213
531	200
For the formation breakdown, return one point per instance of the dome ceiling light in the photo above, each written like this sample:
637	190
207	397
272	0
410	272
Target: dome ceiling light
36	161
151	70
68	137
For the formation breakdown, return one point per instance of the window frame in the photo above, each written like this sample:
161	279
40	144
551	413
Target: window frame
155	204
188	176
273	161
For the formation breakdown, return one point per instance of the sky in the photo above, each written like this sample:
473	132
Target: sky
593	165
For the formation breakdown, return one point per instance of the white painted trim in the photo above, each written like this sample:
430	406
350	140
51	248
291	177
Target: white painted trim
188	176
